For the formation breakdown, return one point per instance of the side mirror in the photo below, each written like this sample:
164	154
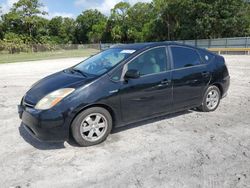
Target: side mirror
132	74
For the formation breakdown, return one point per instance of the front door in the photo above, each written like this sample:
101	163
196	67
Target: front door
151	93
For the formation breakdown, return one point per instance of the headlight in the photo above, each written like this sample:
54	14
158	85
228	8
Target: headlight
53	98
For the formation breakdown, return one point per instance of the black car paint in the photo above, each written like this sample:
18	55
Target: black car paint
53	82
127	100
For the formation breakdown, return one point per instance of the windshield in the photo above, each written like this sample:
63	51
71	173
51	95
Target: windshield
104	61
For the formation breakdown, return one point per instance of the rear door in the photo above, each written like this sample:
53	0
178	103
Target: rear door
151	93
189	77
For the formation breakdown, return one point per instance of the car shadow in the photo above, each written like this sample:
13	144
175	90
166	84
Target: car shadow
73	143
39	144
60	145
151	120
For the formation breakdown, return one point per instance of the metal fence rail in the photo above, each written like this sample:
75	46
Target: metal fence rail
237	42
236	45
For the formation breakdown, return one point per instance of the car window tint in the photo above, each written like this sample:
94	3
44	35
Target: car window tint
184	57
206	56
150	62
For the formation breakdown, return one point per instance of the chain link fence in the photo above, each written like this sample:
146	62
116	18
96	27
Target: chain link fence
13	48
237	45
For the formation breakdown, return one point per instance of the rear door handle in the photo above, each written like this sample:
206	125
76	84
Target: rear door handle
205	74
166	82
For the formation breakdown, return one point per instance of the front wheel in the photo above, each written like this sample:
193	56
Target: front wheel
92	126
211	99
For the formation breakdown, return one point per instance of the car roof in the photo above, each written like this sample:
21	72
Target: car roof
139	46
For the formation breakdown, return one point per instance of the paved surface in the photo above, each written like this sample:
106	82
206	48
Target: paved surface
187	149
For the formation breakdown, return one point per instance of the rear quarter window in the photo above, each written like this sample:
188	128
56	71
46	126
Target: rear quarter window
206	56
184	57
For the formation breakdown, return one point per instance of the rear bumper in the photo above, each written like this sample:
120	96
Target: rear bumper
46	125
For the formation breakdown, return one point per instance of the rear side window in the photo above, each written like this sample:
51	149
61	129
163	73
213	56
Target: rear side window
184	57
206	56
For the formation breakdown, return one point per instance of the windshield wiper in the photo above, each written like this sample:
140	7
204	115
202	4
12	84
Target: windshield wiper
72	70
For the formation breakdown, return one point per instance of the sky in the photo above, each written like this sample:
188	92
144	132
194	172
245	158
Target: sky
71	8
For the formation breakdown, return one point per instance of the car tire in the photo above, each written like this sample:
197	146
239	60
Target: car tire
211	99
91	126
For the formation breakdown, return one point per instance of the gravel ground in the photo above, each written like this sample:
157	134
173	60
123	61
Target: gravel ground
187	149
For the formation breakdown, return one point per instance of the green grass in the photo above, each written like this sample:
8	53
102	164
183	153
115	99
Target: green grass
11	58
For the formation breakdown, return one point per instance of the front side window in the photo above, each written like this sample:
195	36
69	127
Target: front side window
150	62
104	61
184	57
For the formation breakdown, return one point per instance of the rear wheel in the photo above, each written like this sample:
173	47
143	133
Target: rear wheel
92	126
211	99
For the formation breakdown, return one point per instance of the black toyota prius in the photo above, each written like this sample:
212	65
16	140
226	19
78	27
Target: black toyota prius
122	85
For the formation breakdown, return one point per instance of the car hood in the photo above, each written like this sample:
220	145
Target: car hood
53	82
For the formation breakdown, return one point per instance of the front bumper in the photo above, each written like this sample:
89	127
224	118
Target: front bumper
46	125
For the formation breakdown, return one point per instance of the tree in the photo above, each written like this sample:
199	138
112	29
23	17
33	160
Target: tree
247	16
1	25
13	43
119	18
138	16
68	30
62	30
229	18
157	21
85	22
189	19
55	26
97	32
24	17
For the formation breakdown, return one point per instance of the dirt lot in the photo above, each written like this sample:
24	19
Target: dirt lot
187	149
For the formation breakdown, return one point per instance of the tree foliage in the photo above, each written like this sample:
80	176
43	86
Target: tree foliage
85	23
24	17
25	24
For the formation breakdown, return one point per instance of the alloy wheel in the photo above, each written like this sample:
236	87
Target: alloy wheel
93	127
212	99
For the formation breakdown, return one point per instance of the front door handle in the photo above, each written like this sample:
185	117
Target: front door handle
164	83
113	91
